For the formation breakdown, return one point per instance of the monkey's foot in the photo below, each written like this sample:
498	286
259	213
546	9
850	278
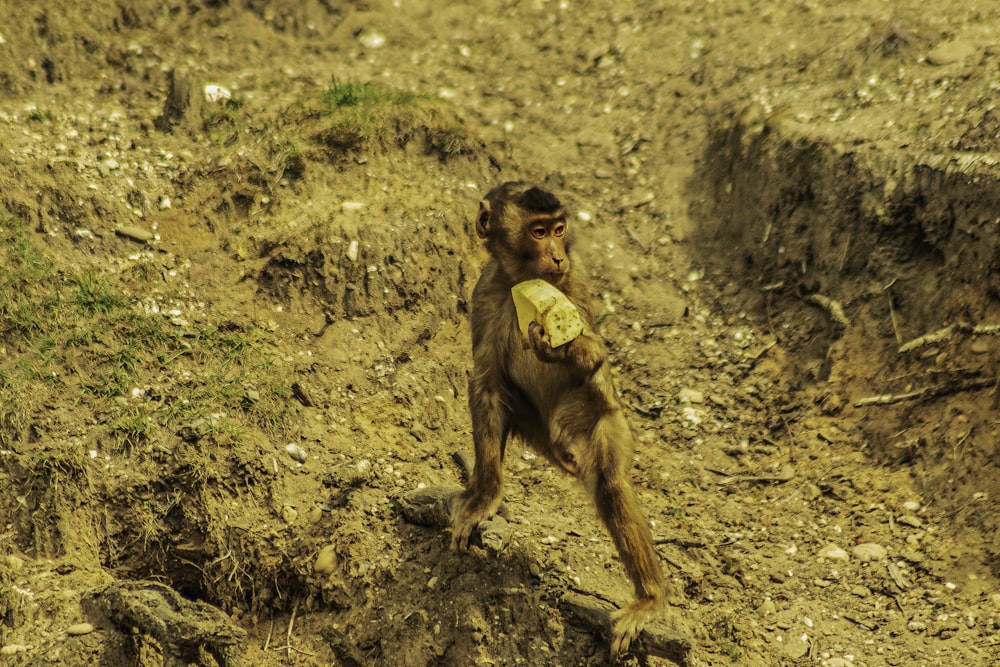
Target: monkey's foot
627	623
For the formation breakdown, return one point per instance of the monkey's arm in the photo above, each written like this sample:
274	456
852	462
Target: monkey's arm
585	353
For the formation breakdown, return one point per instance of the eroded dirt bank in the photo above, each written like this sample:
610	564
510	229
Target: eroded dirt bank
234	331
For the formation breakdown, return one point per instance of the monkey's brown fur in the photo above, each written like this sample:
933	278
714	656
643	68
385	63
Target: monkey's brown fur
560	401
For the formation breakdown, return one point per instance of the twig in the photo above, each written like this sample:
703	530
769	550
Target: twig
949	331
835	309
680	541
291	622
926	392
267	642
892	313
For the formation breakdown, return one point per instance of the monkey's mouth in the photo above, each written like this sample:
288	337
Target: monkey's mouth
554	277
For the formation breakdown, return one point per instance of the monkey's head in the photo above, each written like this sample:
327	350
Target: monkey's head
527	232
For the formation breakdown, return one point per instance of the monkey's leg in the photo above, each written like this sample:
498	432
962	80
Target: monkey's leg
482	496
611	444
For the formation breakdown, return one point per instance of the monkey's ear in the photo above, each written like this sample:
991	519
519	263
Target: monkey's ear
483	219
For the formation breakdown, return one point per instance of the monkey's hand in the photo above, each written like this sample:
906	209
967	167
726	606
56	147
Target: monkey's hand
543	349
586	352
627	623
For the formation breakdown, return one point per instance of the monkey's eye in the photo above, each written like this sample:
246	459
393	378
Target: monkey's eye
538	232
559	230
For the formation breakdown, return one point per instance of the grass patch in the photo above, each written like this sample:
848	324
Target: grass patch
354	115
77	342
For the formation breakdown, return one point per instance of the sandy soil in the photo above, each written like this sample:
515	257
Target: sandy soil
777	202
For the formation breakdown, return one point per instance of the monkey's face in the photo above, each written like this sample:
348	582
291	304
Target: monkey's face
543	243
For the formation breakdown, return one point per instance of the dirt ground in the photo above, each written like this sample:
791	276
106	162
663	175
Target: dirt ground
235	334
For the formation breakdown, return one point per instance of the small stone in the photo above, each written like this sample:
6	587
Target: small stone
296	452
838	662
79	629
14	563
326	561
767	607
691	396
916	626
833	552
796	647
135	233
315	515
289	514
822	583
14	649
432	582
911	555
869	551
861	591
980	347
910	520
911	506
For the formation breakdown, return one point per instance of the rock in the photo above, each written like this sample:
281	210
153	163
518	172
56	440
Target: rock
495	533
910	520
869	551
315	515
135	233
14	649
795	647
184	629
326	561
955	51
296	452
767	607
833	552
14	563
79	629
860	591
429	506
184	104
911	506
289	514
690	396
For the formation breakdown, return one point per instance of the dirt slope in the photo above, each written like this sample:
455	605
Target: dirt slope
235	331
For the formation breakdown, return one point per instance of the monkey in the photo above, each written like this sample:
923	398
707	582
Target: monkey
562	402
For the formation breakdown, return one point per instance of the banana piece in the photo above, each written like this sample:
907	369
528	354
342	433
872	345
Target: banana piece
538	301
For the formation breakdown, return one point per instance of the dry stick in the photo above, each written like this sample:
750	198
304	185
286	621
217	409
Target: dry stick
267	642
949	331
833	307
291	621
892	313
926	392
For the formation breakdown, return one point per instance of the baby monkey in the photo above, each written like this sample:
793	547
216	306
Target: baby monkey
561	401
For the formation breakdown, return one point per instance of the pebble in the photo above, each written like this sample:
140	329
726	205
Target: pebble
767	607
910	520
911	506
14	563
796	647
860	591
833	552
289	514
838	662
315	515
869	551
296	452
79	629
326	560
135	233
691	396
14	649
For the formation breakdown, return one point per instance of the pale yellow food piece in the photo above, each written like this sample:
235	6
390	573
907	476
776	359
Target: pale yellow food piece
538	301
